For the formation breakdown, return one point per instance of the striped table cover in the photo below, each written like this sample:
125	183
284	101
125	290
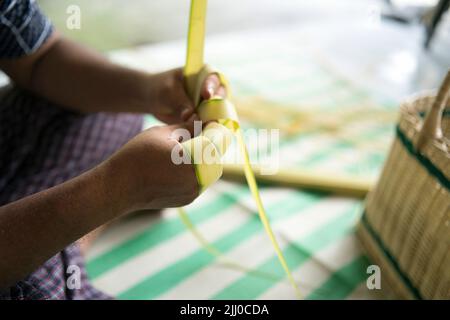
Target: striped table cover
153	256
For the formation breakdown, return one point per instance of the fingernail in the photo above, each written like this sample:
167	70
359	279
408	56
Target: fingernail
210	88
185	113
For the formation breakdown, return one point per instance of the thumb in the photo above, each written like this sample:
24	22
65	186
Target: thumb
210	86
185	131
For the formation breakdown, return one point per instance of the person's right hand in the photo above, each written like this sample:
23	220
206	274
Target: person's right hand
167	99
147	176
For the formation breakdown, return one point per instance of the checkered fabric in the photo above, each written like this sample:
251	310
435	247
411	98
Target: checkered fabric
23	28
43	145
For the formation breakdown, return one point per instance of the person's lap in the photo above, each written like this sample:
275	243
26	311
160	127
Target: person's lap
43	145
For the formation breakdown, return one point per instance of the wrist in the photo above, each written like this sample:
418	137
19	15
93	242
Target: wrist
112	184
144	92
124	181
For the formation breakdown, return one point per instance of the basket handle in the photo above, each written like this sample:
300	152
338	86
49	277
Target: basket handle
432	125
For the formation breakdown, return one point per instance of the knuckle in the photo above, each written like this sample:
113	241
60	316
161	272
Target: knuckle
178	74
191	186
190	196
167	88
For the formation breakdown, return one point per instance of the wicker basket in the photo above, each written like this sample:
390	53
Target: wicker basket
405	228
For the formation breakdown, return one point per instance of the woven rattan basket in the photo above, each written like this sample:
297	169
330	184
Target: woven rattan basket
405	228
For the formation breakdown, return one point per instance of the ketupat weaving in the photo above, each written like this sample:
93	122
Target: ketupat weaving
217	136
148	257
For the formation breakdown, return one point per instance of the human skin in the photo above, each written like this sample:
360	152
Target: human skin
139	176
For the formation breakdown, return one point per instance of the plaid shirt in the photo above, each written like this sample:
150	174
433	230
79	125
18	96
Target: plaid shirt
42	145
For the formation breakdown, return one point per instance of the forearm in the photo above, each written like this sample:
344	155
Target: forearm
80	79
84	80
37	227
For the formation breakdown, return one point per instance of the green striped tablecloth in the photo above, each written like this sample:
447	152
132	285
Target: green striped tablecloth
153	256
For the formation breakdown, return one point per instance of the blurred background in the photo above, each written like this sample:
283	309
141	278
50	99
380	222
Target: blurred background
127	23
389	33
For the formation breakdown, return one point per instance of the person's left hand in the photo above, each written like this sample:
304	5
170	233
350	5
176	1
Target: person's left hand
169	101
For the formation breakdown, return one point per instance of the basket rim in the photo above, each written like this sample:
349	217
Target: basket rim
435	155
414	116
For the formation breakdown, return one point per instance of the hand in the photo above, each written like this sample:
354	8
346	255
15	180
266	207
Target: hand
169	101
145	174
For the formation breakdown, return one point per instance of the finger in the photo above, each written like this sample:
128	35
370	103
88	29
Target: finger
193	117
221	92
210	86
183	106
187	114
183	131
